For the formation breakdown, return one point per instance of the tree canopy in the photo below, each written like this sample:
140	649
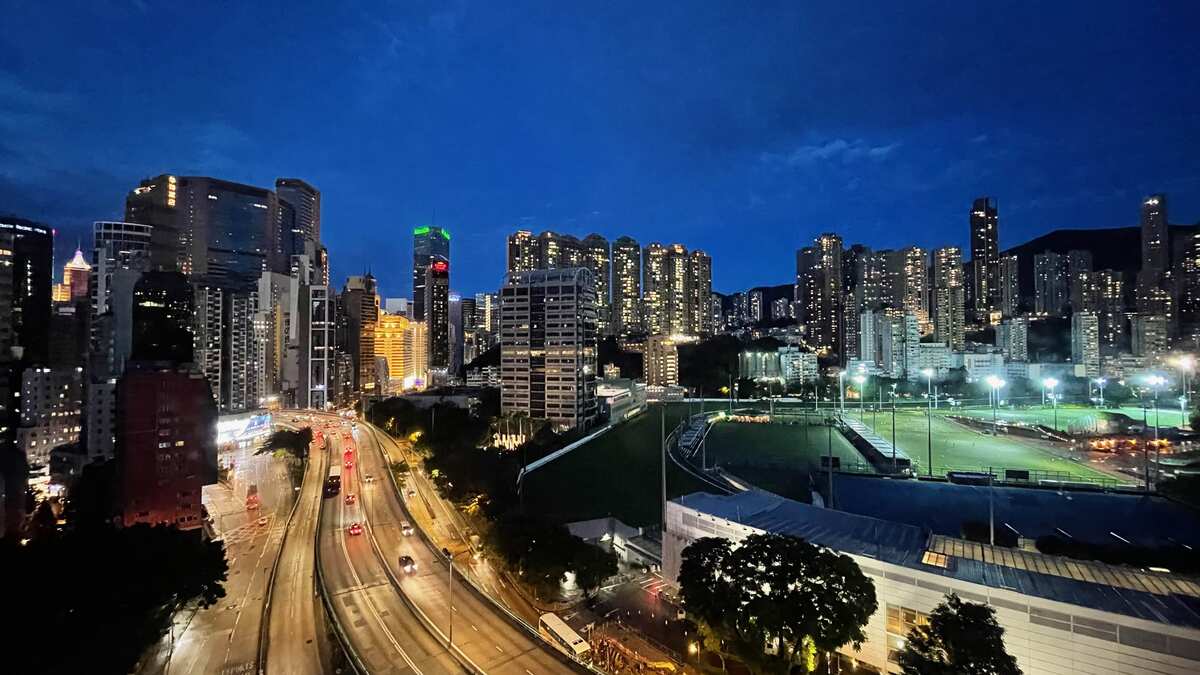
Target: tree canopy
961	638
773	601
294	443
542	553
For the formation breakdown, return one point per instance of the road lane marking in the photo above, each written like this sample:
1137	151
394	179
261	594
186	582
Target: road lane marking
499	649
474	628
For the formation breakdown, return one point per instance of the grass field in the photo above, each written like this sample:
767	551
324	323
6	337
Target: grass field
618	474
957	448
799	445
1075	418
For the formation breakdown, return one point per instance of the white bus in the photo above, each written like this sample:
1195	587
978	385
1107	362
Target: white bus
562	636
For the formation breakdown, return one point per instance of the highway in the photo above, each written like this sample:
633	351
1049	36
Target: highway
224	638
383	632
482	637
296	641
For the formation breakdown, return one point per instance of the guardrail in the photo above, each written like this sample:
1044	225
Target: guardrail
506	613
264	627
347	648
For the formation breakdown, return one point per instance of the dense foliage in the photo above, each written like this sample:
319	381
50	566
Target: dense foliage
773	601
107	592
460	461
295	443
962	638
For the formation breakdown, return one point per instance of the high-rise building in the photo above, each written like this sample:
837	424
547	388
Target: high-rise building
1012	337
1109	289
949	297
1085	343
699	291
819	290
487	313
155	203
27	259
522	251
985	254
166	444
51	401
1079	280
161	323
662	361
1050	283
1156	238
627	286
361	304
1149	335
305	201
755	298
667	280
76	273
317	347
548	345
437	312
391	343
1008	276
891	339
781	308
558	251
598	259
429	243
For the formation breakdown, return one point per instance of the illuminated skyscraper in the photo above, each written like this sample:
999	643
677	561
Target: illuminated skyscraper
949	311
1156	240
429	243
985	254
305	201
699	293
1051	290
597	258
437	312
819	290
522	251
627	286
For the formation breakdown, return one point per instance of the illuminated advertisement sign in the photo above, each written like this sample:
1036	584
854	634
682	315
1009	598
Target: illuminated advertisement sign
237	428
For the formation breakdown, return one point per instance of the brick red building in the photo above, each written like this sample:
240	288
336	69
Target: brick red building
166	444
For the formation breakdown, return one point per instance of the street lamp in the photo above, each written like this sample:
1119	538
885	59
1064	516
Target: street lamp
995	383
859	380
1186	364
841	392
1050	383
1100	382
1155	381
928	373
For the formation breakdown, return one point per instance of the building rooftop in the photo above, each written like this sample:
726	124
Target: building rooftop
1167	598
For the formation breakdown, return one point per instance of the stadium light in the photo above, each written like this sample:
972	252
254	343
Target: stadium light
995	383
1051	383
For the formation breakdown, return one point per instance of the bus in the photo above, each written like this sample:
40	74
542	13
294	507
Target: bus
562	636
333	482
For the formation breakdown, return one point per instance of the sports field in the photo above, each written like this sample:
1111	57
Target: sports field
958	448
617	474
799	445
1076	418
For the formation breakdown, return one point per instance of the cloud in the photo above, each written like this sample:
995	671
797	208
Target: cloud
834	150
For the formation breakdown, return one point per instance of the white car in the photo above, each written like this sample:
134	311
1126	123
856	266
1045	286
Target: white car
406	529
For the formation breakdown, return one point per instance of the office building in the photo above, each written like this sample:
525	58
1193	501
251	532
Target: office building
1085	343
661	361
985	255
391	344
1149	335
155	204
548	346
317	347
626	286
437	313
26	278
361	303
76	276
429	244
166	444
487	314
1051	291
1012	338
161	318
305	201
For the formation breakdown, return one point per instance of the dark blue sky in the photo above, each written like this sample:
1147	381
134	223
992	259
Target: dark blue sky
742	130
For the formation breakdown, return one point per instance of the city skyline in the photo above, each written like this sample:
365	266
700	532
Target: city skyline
784	147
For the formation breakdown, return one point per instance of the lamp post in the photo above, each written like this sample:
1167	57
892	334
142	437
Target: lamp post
841	392
1050	383
1155	381
928	373
1100	382
862	411
894	427
1186	363
995	384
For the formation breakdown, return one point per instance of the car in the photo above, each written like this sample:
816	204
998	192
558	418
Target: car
262	521
349	464
412	492
406	528
368	478
351	499
355	529
408	564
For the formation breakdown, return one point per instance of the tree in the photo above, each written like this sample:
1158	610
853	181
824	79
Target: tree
961	638
774	601
592	565
294	443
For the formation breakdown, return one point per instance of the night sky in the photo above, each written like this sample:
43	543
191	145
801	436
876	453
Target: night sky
744	131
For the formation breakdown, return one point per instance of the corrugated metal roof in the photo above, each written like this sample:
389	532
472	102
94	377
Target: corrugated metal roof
1086	584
